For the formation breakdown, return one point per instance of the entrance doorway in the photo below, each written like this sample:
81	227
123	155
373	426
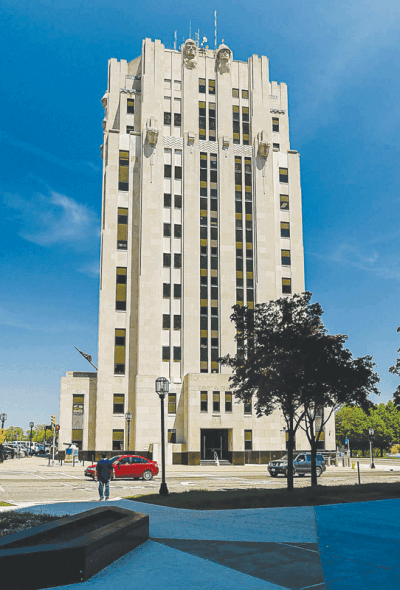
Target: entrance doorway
214	440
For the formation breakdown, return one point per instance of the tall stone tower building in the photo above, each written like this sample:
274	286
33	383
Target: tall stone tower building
201	210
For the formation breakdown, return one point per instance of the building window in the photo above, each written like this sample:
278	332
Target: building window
275	124
123	171
172	435
216	401
177	119
236	124
130	106
275	146
172	403
120	300
177	354
178	172
122	238
177	260
166	290
119	355
202	85
118	440
228	401
166	353
235	92
211	87
167	200
245	94
286	286
177	231
77	437
178	201
285	229
166	260
166	324
247	407
245	126
285	257
283	175
284	201
248	440
167	170
202	120
77	404
167	118
167	230
203	401
119	403
177	322
177	291
212	123
130	128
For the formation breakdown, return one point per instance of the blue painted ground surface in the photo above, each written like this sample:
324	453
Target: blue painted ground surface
359	545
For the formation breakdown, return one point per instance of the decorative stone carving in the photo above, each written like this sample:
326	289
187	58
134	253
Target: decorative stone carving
152	132
263	145
189	54
224	58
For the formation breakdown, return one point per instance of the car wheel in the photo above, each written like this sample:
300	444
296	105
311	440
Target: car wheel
318	471
274	474
147	475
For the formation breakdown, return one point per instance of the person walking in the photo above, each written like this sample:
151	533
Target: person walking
103	471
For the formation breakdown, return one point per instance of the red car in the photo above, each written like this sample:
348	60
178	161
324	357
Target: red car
128	466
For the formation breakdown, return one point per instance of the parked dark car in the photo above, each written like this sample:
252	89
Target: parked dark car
301	465
128	466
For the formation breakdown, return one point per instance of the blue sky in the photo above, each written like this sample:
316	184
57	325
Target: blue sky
340	61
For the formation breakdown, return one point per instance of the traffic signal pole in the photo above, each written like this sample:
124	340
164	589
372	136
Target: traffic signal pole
54	441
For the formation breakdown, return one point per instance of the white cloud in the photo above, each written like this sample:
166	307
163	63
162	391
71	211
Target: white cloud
48	220
92	269
369	261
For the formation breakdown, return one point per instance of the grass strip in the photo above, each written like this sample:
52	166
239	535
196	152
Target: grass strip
276	498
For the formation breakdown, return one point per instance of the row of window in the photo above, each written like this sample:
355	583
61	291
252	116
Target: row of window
167	321
244	241
211	89
166	353
245	125
177	230
212	121
168	201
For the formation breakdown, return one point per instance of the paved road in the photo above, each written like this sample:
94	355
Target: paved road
31	480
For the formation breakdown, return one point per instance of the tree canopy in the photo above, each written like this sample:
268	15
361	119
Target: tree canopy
286	360
395	369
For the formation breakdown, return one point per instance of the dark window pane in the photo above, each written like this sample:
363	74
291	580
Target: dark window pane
167	118
177	119
166	260
167	170
177	322
177	353
166	290
177	291
167	200
130	106
178	201
166	321
178	172
166	353
214	323
177	231
177	260
283	175
167	230
286	285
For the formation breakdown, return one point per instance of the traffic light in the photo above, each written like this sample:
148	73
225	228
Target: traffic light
57	427
53	419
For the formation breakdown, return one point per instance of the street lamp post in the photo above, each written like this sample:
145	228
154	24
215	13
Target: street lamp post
31	425
128	418
3	418
371	441
162	388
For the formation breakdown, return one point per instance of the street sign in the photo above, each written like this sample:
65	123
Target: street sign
346	441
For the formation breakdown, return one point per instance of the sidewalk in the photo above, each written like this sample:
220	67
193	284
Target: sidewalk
335	547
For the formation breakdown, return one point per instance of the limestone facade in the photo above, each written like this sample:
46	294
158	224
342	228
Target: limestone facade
201	210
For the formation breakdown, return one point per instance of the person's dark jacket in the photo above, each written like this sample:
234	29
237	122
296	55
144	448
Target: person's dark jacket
104	469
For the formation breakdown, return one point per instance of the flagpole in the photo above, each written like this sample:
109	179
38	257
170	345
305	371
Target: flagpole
87	357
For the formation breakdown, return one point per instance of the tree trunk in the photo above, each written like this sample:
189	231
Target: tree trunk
290	454
314	478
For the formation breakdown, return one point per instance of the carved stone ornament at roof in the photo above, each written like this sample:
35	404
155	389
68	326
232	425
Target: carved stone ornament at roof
223	59
189	54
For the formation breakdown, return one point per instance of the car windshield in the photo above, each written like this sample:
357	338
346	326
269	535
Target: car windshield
284	458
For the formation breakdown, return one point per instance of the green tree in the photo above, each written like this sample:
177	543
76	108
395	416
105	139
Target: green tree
353	423
395	369
14	433
286	360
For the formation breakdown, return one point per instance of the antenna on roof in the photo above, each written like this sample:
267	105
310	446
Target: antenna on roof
197	37
215	26
175	39
190	29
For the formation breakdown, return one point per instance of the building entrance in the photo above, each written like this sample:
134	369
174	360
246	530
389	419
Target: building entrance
214	440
